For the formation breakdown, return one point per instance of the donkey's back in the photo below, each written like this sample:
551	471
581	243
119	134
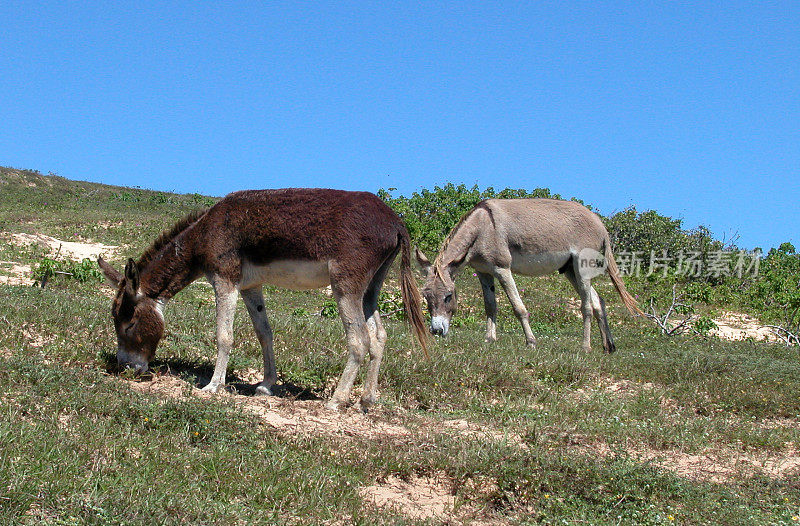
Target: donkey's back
307	223
544	225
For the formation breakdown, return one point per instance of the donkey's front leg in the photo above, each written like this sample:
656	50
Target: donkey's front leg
225	293
490	305
254	300
357	336
510	286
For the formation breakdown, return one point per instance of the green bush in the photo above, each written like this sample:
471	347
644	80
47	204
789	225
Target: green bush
82	271
776	290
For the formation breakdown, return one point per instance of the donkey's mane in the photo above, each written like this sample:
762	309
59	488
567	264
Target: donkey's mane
437	263
167	236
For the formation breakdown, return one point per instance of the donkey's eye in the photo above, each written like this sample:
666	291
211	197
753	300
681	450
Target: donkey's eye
448	298
130	327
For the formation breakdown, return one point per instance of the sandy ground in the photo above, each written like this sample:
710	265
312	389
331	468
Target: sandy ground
77	250
736	326
15	273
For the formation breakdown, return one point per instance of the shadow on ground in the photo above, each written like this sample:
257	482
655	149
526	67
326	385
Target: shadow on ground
198	373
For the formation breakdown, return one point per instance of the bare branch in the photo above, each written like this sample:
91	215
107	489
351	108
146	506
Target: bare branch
663	321
788	337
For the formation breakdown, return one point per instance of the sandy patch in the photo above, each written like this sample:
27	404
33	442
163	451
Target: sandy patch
621	387
711	465
474	430
722	466
15	274
76	250
735	326
34	339
417	498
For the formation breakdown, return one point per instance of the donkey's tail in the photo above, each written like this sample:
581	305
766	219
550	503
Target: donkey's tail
412	300
613	273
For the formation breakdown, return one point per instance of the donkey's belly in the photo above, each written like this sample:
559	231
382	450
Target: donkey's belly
538	264
287	273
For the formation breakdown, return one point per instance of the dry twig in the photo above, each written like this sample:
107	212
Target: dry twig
663	321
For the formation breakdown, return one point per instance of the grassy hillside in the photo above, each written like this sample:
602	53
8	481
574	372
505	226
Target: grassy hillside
685	430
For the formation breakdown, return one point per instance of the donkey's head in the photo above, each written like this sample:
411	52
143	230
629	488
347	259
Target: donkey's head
137	318
439	292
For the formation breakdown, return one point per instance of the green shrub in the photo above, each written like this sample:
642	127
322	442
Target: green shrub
83	271
776	289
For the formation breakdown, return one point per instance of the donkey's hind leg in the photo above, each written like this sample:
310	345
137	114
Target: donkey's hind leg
357	336
377	335
254	300
599	309
582	287
510	286
591	303
489	305
377	342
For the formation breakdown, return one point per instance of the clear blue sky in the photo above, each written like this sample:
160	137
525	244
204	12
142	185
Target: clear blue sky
689	109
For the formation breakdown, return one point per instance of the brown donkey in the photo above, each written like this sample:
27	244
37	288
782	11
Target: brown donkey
533	237
293	238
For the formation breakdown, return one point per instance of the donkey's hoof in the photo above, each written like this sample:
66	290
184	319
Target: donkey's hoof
586	348
367	403
211	388
532	344
333	405
263	390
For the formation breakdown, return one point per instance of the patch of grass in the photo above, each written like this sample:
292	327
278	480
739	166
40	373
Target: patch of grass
76	445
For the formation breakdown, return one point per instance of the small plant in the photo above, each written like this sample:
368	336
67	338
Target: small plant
704	325
126	197
329	309
83	271
663	321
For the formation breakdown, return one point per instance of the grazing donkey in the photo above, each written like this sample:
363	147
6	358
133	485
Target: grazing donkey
292	238
532	237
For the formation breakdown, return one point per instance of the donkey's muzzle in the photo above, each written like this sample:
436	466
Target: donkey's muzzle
439	325
131	362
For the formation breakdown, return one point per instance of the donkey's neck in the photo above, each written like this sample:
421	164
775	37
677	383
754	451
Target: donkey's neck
171	270
456	250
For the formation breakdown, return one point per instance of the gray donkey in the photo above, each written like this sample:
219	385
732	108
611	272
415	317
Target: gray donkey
533	237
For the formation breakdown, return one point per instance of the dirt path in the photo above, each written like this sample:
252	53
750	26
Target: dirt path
76	250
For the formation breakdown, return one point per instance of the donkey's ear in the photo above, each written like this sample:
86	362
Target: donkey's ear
131	278
422	261
112	275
